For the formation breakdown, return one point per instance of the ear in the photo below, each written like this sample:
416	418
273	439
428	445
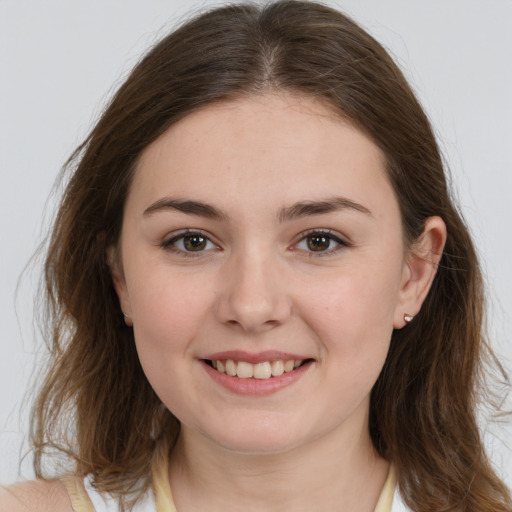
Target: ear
420	268
116	270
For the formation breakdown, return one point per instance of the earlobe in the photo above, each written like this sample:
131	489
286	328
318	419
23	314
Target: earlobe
420	269
116	271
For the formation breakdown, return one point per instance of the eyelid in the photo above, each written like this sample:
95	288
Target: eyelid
172	238
333	235
169	241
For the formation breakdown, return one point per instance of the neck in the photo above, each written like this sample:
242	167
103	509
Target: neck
325	474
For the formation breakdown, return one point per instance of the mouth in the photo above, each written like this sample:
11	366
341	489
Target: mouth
262	370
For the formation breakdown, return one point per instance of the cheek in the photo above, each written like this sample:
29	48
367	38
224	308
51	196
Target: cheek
353	313
355	326
167	314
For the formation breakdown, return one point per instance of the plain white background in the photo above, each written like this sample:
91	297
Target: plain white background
60	61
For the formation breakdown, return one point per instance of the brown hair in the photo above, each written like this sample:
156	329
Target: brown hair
422	414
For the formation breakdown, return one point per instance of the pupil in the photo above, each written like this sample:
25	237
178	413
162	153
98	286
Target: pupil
194	242
318	243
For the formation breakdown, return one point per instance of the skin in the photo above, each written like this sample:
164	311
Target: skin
40	496
256	285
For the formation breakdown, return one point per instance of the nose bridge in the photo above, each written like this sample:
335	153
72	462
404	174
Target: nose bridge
251	296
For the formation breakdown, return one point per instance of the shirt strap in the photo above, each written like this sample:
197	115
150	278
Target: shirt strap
77	494
388	492
160	472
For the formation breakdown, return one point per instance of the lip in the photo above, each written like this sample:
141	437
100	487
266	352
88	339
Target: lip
255	358
256	387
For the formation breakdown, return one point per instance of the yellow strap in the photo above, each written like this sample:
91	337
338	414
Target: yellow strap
161	488
388	492
77	494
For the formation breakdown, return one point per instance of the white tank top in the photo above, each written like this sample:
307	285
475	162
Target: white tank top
103	502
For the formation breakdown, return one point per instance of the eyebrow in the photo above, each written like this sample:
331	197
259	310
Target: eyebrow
186	206
295	211
307	208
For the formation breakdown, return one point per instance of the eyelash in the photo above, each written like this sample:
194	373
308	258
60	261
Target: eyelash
168	244
331	236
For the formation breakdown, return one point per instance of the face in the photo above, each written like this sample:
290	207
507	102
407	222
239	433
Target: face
263	267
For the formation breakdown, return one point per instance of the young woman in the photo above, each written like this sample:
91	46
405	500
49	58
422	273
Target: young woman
261	296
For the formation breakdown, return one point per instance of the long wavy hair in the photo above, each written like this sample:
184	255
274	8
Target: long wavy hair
96	405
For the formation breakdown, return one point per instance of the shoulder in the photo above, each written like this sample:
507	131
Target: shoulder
35	496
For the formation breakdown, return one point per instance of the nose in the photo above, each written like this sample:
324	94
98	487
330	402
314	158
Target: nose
251	297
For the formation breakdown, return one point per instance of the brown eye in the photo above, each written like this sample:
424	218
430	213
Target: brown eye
194	242
186	244
318	242
321	242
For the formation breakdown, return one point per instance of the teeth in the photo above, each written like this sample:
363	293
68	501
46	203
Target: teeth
231	367
277	368
289	366
244	370
263	370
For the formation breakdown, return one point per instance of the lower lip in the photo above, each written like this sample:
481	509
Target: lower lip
257	387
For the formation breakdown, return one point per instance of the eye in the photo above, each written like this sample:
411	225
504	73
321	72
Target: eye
320	242
189	242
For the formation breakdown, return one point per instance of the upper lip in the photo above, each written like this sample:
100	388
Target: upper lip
254	358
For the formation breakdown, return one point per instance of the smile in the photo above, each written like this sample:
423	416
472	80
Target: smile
262	370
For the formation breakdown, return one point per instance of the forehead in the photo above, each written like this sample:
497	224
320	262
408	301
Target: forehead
272	147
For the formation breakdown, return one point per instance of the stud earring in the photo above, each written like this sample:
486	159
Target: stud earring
408	318
127	320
